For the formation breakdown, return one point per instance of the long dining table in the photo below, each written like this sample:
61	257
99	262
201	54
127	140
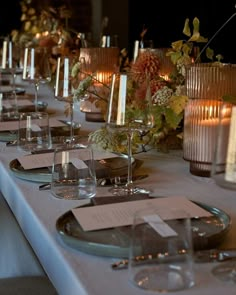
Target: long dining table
74	271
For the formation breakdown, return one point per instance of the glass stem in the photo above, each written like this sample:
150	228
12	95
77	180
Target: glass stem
36	89
129	138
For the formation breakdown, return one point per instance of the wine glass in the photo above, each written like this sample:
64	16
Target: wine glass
125	88
225	271
10	65
36	68
68	77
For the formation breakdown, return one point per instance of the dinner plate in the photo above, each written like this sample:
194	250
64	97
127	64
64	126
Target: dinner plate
109	167
207	232
8	89
56	132
42	107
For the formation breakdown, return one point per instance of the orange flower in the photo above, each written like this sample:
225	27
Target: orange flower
147	62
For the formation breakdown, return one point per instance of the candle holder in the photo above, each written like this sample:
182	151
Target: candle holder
101	63
210	80
200	134
224	162
206	84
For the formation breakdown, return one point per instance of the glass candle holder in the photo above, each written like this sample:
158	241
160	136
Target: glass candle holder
224	163
101	63
210	80
200	134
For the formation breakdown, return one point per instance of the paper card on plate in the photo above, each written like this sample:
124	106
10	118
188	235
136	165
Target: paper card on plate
121	214
46	159
13	125
21	102
36	161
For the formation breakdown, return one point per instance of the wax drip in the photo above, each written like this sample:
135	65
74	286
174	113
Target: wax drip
216	33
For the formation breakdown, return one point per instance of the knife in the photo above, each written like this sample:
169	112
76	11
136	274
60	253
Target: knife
104	181
202	256
120	180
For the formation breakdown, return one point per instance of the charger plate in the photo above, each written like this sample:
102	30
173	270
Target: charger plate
104	168
5	89
56	132
207	232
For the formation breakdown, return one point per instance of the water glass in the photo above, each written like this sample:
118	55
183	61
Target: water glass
73	173
160	256
224	162
34	131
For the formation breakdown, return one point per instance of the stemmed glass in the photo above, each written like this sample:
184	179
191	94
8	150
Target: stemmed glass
68	77
226	271
36	68
11	65
125	88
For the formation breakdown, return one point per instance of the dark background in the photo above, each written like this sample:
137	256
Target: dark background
165	22
163	19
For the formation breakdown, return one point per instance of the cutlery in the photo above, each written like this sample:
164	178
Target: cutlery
11	143
202	256
104	181
120	180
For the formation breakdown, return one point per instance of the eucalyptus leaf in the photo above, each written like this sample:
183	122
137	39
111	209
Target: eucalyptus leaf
186	29
196	25
177	45
172	119
209	53
202	39
194	37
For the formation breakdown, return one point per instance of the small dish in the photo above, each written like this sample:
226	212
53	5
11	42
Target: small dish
104	168
207	232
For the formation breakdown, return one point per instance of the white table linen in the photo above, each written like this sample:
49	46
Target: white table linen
73	272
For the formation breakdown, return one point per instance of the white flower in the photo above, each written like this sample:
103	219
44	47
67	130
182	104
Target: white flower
162	96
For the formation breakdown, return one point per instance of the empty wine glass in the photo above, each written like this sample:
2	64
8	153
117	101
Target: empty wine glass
10	65
127	87
225	271
68	78
36	68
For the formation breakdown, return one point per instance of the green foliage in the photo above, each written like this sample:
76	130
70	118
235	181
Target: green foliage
182	50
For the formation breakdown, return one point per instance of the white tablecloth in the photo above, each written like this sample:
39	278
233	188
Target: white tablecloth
73	272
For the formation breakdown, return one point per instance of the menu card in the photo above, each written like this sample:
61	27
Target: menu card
121	214
20	102
13	125
46	159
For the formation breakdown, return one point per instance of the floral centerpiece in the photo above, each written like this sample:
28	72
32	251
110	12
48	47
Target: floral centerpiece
168	99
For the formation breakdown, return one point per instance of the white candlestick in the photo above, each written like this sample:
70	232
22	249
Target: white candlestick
57	77
32	64
10	55
66	78
230	171
25	63
0	102
4	54
111	98
136	48
121	100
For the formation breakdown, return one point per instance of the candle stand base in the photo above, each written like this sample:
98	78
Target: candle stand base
200	169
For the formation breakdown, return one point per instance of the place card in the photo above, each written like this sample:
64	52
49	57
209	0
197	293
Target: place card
45	159
22	102
13	125
121	214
